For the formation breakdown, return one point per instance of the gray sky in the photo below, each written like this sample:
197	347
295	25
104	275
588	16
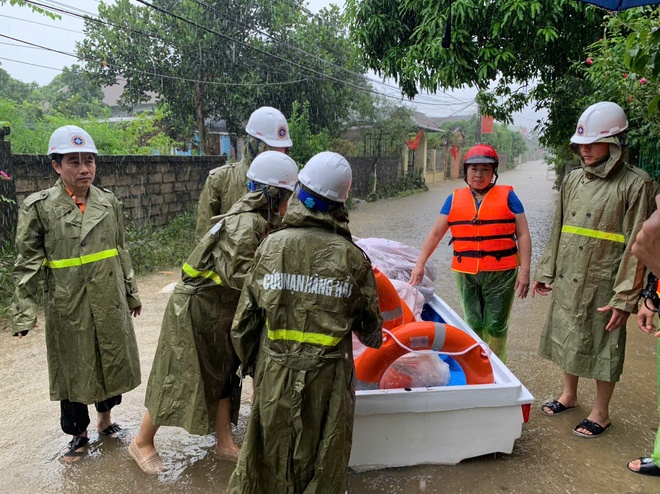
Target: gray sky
31	64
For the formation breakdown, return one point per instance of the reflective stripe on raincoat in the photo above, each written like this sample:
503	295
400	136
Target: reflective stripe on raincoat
195	364
589	265
309	288
89	291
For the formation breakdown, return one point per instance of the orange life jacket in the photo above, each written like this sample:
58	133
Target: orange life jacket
483	240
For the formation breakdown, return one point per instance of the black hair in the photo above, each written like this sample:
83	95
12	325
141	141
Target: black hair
57	157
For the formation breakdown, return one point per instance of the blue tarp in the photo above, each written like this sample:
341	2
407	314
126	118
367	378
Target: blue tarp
614	5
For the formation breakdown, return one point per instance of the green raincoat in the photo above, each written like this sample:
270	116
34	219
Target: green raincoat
309	288
589	265
89	291
224	187
195	364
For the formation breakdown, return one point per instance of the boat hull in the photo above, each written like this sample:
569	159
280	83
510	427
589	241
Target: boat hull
441	425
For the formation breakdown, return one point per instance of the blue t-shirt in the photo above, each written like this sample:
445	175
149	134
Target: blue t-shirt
515	206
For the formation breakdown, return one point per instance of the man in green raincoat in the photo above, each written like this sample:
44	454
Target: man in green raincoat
74	234
588	265
308	289
267	129
193	382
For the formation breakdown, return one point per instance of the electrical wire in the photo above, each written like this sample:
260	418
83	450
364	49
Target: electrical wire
165	76
322	76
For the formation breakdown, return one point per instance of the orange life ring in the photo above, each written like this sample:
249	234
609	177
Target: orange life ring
389	301
426	335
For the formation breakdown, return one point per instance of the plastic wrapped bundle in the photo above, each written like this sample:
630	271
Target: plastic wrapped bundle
397	260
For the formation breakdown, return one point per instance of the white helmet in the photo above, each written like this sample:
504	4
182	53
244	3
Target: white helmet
604	119
269	125
274	168
329	175
71	139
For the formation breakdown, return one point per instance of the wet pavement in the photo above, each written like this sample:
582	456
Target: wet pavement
548	458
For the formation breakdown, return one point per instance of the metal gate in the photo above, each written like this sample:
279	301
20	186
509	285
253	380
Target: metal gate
649	158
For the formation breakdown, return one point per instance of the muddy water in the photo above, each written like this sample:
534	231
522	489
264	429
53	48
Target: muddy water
546	459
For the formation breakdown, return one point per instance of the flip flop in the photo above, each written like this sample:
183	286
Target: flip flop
556	407
76	449
595	429
111	430
646	467
151	464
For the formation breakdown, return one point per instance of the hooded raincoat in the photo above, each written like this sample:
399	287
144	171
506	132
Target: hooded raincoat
89	291
589	265
195	364
224	187
309	288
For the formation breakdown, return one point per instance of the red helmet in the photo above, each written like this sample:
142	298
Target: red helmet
481	153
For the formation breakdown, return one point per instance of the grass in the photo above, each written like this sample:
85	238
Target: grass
154	248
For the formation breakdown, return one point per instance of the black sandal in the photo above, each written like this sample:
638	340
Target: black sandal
76	448
646	467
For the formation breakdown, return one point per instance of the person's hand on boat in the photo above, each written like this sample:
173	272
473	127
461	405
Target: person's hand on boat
417	275
541	288
619	317
522	284
645	319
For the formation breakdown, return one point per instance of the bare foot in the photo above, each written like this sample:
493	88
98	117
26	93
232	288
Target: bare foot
230	453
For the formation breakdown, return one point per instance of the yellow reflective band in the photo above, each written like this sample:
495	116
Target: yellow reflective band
79	261
586	232
299	336
193	273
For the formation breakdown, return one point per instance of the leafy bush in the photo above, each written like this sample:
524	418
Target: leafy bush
153	248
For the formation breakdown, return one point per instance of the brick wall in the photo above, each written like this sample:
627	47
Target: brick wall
153	189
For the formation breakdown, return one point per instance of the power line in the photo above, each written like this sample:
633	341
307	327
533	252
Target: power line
32	64
155	74
39	23
300	50
420	102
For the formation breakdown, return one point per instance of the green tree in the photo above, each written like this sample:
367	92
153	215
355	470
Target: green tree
23	3
513	51
222	59
13	89
330	73
627	44
74	94
195	58
384	128
305	143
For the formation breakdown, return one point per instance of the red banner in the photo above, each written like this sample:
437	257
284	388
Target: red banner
486	124
413	143
453	151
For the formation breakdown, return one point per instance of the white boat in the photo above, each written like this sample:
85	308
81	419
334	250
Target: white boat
439	425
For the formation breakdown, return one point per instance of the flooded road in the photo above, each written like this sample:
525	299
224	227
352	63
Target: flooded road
548	458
